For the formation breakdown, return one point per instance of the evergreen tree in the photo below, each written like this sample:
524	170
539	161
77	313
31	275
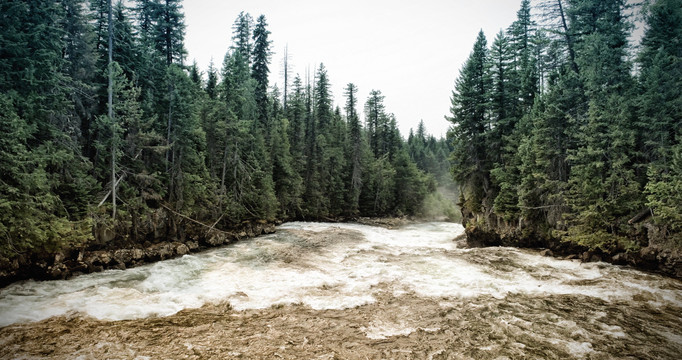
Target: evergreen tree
356	143
259	68
148	14
603	189
288	184
31	215
126	50
376	119
660	111
323	100
319	149
212	81
296	113
336	169
187	142
469	117
411	185
521	34
169	31
241	36
81	61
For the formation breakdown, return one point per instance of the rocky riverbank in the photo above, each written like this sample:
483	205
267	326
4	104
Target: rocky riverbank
655	256
160	236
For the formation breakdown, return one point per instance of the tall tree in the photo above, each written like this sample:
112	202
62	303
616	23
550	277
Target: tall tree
241	36
375	117
296	113
259	68
603	189
169	31
356	141
80	61
211	81
469	118
660	111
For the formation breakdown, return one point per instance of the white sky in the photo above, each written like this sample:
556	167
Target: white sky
410	50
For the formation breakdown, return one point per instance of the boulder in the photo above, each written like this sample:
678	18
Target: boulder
181	249
619	259
123	256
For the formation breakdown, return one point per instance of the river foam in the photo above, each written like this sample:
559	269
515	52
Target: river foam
330	266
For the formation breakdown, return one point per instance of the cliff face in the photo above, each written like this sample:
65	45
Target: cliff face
656	256
159	236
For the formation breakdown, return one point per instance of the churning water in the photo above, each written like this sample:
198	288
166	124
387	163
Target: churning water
341	266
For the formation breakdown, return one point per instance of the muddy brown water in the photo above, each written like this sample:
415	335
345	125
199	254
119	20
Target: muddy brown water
349	291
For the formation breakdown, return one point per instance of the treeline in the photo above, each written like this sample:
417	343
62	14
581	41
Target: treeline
221	147
561	130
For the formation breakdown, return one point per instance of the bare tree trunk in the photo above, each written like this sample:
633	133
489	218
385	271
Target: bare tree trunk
170	122
286	76
110	106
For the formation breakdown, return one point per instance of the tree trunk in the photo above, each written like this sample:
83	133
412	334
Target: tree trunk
110	106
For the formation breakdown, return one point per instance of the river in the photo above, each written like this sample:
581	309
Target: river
350	291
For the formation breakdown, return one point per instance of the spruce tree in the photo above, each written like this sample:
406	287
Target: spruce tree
241	36
470	121
660	111
288	185
169	31
211	81
259	68
603	189
296	113
356	143
375	117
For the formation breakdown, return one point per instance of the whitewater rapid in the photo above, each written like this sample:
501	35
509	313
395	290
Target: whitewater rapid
330	266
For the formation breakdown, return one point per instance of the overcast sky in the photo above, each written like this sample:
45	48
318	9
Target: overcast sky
410	50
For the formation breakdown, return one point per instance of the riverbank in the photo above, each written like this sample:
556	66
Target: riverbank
163	235
654	257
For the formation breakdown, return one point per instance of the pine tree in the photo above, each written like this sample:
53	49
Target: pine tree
148	14
241	36
318	146
79	54
323	100
411	185
31	214
470	121
212	81
660	111
259	68
296	113
288	184
603	189
126	49
169	31
521	35
376	118
187	142
336	169
356	141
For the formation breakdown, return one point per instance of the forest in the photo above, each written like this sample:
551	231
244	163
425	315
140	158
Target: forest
102	123
562	128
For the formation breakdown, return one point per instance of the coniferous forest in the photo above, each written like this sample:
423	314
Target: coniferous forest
220	147
562	129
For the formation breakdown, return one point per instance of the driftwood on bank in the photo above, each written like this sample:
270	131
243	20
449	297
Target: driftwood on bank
210	227
641	216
